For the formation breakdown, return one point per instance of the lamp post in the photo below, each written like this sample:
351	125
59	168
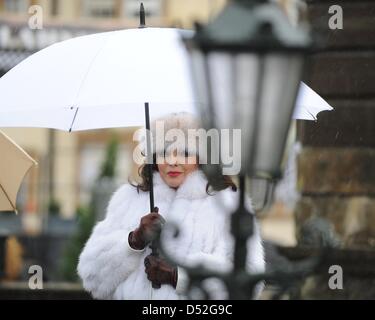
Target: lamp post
247	65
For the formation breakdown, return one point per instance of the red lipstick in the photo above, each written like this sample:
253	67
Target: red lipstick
174	173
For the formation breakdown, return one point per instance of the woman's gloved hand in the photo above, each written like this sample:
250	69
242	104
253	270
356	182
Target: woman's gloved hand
159	271
149	228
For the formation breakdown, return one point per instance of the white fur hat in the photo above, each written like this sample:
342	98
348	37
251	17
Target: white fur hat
175	131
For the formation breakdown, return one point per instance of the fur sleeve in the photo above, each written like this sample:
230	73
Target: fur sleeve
221	259
107	258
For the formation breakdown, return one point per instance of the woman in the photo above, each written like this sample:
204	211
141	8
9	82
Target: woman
116	261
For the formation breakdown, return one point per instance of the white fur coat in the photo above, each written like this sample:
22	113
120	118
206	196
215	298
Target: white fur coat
111	269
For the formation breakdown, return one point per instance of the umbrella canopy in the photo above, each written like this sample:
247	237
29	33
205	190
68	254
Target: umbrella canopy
103	80
309	104
14	164
99	81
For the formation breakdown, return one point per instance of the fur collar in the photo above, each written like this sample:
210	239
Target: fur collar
194	187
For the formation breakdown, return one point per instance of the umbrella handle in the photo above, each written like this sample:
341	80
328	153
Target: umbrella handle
155	252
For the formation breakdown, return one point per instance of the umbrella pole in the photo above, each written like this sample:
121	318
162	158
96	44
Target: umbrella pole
149	156
149	164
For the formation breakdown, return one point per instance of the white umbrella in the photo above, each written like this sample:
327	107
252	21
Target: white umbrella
103	80
309	104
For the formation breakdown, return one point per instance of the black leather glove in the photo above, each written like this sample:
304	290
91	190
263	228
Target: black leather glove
149	228
160	272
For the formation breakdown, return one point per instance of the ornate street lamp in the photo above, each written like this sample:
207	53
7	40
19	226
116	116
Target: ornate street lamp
247	65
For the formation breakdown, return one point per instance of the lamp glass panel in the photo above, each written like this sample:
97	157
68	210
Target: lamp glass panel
233	81
250	92
280	83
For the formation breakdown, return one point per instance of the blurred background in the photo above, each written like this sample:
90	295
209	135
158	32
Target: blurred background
325	198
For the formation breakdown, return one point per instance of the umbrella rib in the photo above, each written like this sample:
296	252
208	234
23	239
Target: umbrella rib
14	208
315	118
89	68
74	118
84	79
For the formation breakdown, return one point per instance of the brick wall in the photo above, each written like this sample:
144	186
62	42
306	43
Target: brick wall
336	168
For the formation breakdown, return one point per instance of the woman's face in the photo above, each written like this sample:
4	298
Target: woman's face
175	168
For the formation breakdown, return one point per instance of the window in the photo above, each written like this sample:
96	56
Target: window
54	7
17	6
99	8
152	8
